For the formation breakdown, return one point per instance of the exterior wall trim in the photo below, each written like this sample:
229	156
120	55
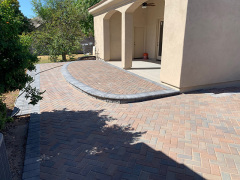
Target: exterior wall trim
206	86
108	6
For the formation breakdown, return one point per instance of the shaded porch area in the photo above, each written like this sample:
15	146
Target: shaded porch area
149	69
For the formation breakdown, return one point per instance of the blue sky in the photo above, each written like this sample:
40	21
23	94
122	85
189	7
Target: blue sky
26	8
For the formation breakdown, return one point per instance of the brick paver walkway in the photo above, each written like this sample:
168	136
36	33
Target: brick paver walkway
107	78
183	137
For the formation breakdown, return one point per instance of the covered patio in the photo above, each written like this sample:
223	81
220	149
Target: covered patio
126	33
195	53
149	69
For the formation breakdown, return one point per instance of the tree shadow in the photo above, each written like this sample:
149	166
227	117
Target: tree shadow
218	92
49	69
88	145
147	68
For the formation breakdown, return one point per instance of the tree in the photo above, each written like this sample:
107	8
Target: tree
64	24
86	23
60	32
15	56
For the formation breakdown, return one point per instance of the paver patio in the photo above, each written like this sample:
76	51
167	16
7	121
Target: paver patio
109	79
113	84
189	136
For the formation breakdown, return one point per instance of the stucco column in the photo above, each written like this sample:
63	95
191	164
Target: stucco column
127	40
106	40
175	16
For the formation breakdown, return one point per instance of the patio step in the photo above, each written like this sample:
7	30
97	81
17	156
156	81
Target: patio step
116	98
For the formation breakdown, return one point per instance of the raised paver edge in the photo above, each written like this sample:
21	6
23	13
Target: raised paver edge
117	97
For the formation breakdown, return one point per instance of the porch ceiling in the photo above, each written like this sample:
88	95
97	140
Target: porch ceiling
107	5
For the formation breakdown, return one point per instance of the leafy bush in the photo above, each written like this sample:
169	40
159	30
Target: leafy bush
63	25
15	55
3	115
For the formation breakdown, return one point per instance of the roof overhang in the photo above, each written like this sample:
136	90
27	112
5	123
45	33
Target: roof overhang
107	5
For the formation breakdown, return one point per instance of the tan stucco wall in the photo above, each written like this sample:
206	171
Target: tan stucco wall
173	41
115	36
212	43
99	38
148	19
140	17
153	15
200	44
140	20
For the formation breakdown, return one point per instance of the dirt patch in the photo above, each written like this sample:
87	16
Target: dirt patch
9	99
15	137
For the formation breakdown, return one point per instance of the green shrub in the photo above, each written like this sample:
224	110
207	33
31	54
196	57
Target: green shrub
15	55
3	115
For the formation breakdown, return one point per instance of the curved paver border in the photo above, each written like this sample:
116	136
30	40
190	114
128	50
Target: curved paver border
120	98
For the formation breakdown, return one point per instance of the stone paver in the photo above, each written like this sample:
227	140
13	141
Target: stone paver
104	77
190	136
94	79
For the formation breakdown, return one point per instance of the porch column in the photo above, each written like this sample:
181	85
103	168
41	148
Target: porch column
106	40
127	40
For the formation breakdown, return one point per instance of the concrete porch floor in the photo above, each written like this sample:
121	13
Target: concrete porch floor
149	69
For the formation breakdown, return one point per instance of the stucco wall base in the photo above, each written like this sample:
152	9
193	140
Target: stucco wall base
98	58
211	43
208	86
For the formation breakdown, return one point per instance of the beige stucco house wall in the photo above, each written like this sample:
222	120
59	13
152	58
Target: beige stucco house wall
201	38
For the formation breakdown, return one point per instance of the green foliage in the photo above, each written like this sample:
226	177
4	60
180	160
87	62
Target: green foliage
86	23
60	32
3	115
33	94
24	24
15	56
64	24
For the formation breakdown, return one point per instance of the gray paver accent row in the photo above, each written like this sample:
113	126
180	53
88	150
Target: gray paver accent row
116	97
22	106
31	168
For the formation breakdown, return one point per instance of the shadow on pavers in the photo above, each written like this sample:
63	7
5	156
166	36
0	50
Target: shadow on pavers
218	92
81	145
49	69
